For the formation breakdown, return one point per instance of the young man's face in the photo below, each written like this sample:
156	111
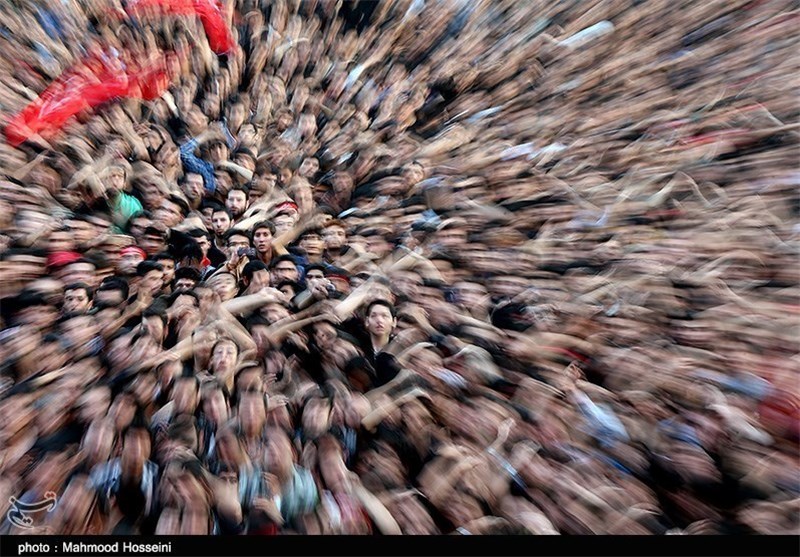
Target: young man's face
236	202
262	240
169	270
283	223
184	284
128	263
220	223
334	237
152	282
380	321
192	186
314	276
204	243
284	270
79	272
115	181
76	301
312	244
309	167
237	242
168	213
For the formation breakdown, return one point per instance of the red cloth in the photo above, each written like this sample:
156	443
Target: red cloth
60	258
133	249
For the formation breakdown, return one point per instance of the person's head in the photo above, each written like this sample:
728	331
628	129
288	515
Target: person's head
315	274
113	291
290	288
98	440
214	403
135	451
202	238
284	221
308	168
413	172
116	179
185	279
218	150
152	191
221	220
380	318
334	235
311	242
301	191
236	201
130	257
472	295
223	357
342	183
284	268
186	394
325	334
167	261
245	158
77	298
149	277
138	223
256	275
376	242
252	412
224	285
80	270
171	211
263	232
153	240
236	239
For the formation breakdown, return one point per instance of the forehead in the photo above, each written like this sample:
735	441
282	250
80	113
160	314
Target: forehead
379	309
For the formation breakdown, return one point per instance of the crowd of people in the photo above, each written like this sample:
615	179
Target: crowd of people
406	267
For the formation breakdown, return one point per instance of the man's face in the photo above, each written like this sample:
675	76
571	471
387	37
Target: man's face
204	243
220	223
235	242
314	277
110	297
380	321
115	181
152	196
334	237
218	152
192	186
283	223
128	263
262	240
184	284
152	243
312	244
138	226
284	270
169	270
76	301
342	182
224	286
236	202
152	282
78	272
309	167
168	213
378	246
260	280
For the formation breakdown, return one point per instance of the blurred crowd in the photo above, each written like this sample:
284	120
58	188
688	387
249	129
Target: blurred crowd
418	267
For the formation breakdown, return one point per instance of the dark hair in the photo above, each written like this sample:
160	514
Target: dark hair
384	303
147	266
160	256
191	251
172	298
296	286
153	231
242	189
252	267
114	283
236	232
279	259
198	233
309	232
80	286
315	267
221	209
263	224
177	200
187	272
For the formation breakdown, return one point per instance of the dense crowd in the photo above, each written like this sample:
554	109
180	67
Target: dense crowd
418	267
